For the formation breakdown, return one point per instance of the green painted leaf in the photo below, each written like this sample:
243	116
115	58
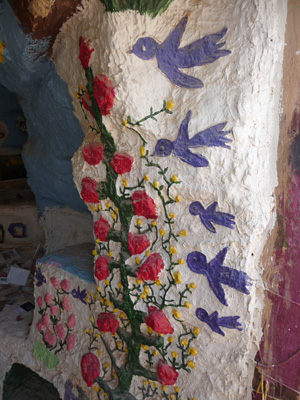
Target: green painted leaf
151	7
44	355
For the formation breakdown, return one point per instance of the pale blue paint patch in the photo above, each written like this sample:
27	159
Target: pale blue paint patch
54	132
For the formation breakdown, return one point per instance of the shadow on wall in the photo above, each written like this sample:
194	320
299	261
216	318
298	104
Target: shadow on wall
21	383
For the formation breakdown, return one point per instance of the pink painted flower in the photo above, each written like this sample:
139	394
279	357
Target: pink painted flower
50	338
137	243
102	268
144	205
46	320
107	322
157	320
104	94
122	162
84	52
93	153
54	281
60	330
101	229
90	368
39	301
53	309
151	268
71	321
48	298
39	325
89	190
71	339
65	285
66	303
166	374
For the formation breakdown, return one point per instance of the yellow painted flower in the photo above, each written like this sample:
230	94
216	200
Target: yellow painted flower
2	58
125	182
162	232
86	299
93	208
94	252
192	351
89	293
143	296
156	184
96	296
191	364
184	342
155	352
180	261
101	300
196	331
91	331
148	252
176	314
150	330
107	303
98	240
155	385
89	125
146	177
106	282
139	222
177	199
172	215
143	151
91	319
115	310
138	281
99	352
137	260
147	290
177	277
120	285
122	315
164	388
116	210
96	334
145	347
99	207
174	178
183	232
113	215
172	397
154	223
172	249
170	104
170	339
158	282
192	285
150	382
110	253
84	331
187	304
144	382
174	354
98	289
97	389
106	365
177	389
107	205
126	349
119	345
124	122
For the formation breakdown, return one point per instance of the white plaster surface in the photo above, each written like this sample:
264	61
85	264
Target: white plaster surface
242	89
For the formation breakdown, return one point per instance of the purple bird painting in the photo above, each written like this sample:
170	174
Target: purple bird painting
79	294
209	215
180	147
39	277
69	395
217	274
170	57
214	322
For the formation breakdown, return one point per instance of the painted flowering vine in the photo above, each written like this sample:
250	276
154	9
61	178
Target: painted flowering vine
132	335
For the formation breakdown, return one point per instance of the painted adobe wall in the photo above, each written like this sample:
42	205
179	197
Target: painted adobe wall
242	89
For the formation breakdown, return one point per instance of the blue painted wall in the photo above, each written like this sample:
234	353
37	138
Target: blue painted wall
54	132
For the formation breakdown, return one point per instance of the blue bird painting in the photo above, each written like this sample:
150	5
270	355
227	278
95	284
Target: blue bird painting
79	294
209	215
214	321
217	274
39	277
180	147
170	57
69	395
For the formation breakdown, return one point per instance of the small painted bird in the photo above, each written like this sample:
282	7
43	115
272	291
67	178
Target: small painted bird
214	322
180	147
170	57
217	274
209	215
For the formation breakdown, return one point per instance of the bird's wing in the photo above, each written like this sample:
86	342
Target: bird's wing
172	41
212	208
208	225
196	160
177	77
183	135
213	136
203	51
216	287
219	259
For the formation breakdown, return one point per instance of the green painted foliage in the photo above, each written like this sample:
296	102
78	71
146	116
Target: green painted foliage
151	7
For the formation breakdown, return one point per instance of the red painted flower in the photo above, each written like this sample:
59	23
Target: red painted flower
151	268
104	94
157	320
65	285
166	374
101	229
122	162
89	190
93	153
144	205
84	53
137	243
90	368
107	322
70	341
102	268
